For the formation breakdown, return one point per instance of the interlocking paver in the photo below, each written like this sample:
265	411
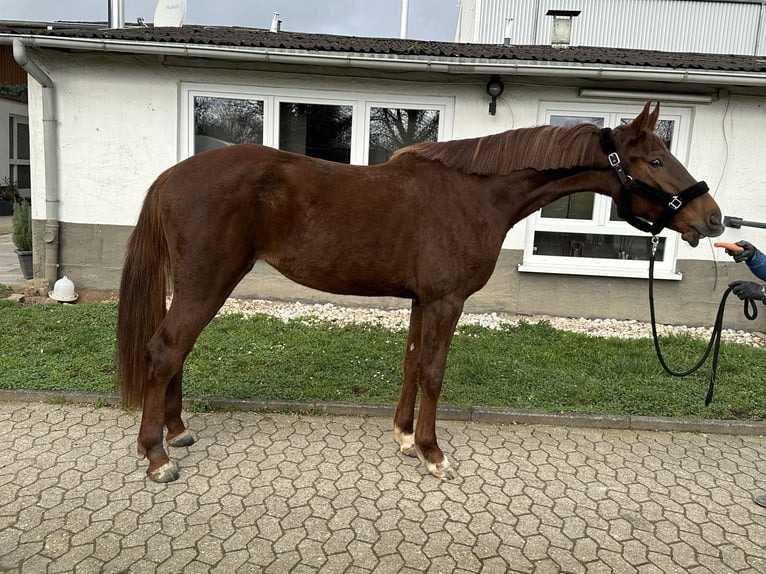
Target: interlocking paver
291	493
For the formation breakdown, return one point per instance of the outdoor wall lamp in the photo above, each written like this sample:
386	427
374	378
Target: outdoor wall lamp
495	88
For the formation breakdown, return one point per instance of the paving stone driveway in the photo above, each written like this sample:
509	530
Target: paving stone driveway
291	493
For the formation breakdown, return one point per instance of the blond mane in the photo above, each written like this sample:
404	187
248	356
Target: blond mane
540	148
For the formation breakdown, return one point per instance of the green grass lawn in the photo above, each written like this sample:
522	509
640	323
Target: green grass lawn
533	367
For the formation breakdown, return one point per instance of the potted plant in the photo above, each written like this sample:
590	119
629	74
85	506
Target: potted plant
9	194
22	236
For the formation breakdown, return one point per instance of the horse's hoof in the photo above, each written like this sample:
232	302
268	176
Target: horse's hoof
408	451
168	472
406	442
442	470
186	438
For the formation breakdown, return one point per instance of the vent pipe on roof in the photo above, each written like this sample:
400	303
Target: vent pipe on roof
276	23
508	31
405	15
116	13
561	32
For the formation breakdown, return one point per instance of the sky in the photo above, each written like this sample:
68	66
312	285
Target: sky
428	19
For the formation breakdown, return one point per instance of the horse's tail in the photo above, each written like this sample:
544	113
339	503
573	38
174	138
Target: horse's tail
142	296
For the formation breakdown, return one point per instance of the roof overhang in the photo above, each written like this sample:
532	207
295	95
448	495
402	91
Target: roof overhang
397	62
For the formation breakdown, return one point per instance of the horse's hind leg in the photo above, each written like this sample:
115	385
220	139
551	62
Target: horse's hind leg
166	352
178	435
404	418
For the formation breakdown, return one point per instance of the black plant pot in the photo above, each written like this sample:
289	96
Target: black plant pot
6	207
25	262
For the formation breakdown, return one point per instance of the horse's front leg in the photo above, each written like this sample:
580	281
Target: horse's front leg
404	418
438	326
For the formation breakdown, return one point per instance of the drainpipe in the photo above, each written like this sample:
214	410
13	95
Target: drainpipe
50	150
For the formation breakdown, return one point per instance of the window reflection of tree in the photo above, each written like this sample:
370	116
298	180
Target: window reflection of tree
317	130
228	120
579	206
395	128
664	129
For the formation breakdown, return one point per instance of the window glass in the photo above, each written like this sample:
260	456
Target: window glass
18	157
22	135
220	122
578	205
347	127
316	130
395	128
21	175
664	129
623	247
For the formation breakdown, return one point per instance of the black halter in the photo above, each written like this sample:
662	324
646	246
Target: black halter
671	204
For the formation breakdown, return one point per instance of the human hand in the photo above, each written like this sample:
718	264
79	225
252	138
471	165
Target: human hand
746	254
748	290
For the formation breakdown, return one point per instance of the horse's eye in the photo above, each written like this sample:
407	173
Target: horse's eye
655	163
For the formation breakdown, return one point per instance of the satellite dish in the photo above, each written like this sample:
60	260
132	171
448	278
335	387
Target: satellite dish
169	13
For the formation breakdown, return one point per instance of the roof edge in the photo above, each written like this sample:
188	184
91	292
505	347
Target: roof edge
430	63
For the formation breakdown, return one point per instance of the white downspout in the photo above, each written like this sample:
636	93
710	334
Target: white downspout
50	150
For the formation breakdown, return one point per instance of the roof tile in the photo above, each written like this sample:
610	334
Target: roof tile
263	39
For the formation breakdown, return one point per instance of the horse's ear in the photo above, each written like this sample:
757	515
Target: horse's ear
651	120
647	119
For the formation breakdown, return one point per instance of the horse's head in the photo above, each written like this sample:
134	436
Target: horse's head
656	190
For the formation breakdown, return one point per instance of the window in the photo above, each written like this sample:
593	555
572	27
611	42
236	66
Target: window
316	130
220	122
582	234
354	128
18	145
395	128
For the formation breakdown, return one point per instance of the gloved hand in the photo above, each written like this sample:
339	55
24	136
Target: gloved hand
747	253
748	290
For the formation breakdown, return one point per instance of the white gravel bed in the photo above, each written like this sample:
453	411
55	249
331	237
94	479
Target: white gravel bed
399	319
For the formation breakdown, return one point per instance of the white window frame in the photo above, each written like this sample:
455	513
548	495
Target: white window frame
361	103
13	160
592	266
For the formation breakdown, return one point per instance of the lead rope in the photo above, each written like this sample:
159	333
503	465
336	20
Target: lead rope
750	311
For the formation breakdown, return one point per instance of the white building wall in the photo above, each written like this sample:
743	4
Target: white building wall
117	136
119	120
115	129
729	148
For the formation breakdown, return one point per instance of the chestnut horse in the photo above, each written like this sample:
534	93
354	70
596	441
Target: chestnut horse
427	226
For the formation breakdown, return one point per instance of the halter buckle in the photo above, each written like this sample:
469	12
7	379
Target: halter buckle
614	159
675	203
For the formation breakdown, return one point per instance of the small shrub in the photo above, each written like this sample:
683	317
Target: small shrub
22	225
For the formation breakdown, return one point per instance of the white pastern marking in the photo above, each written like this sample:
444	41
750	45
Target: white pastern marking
443	470
406	442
